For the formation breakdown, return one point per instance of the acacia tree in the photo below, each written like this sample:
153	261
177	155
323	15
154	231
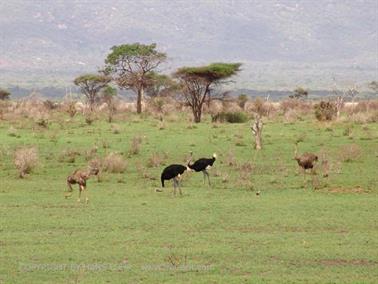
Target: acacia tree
107	96
131	64
91	85
197	82
374	86
4	94
299	93
159	85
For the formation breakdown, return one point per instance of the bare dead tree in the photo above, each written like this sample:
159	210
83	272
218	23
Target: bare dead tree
340	96
257	128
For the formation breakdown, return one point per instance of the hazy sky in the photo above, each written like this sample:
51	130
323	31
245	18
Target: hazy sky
74	36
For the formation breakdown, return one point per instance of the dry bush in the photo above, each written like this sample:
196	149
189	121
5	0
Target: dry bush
31	107
114	163
25	160
259	107
300	106
4	108
231	106
68	156
157	160
136	144
350	152
213	108
365	117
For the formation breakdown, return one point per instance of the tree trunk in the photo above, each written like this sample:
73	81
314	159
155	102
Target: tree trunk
139	99
257	128
197	112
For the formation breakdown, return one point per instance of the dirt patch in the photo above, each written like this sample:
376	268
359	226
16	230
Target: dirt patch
357	189
347	262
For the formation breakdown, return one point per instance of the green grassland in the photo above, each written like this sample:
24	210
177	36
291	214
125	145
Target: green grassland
129	233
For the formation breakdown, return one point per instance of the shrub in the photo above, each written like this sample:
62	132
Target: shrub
25	160
231	117
300	106
325	111
114	163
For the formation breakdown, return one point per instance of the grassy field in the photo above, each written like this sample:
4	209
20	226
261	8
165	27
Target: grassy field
129	233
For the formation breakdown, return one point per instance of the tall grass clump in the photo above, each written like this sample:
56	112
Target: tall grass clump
25	160
114	163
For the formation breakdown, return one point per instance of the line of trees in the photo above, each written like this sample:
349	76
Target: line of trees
135	67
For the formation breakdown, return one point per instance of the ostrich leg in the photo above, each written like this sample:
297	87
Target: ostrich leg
208	176
175	182
204	176
81	188
179	187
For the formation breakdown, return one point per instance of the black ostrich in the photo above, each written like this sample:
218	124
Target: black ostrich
203	165
173	172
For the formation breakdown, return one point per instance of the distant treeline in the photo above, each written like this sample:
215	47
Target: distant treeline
56	93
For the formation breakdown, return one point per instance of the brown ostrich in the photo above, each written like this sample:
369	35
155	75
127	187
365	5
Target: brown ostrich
80	177
306	161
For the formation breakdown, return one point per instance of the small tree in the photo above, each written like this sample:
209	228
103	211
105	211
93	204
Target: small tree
257	128
196	83
374	86
131	65
160	85
91	85
107	96
299	93
242	100
260	109
4	94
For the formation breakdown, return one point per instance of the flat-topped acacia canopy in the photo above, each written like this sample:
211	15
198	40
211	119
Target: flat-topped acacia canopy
211	72
135	51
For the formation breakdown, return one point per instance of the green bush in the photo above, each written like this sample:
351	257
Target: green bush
231	117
